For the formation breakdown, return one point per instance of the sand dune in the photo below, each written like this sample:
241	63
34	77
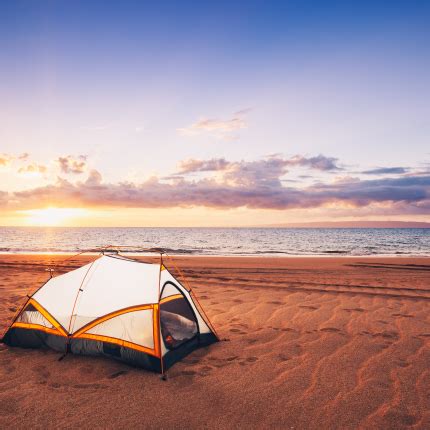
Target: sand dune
310	343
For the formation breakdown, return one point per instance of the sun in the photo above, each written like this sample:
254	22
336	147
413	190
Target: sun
52	216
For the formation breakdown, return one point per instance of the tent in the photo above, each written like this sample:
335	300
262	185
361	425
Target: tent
118	307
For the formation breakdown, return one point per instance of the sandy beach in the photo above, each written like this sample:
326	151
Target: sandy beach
310	343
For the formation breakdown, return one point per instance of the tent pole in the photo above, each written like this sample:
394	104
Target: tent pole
159	318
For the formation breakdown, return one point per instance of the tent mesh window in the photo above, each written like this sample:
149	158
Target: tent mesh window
177	319
30	315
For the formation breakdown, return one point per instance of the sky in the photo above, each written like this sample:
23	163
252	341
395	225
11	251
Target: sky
138	113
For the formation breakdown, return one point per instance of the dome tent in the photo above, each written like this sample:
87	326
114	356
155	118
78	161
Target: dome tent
118	307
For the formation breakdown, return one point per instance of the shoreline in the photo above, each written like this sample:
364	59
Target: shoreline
191	255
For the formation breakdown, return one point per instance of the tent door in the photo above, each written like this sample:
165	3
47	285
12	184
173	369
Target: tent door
177	319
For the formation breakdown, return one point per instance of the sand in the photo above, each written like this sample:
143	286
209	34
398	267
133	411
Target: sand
313	343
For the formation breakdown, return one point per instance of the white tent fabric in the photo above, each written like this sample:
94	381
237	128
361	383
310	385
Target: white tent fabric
119	282
59	294
132	327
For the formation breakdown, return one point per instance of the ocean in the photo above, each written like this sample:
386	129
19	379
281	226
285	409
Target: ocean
221	241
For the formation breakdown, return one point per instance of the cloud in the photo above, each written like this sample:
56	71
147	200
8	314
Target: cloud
33	168
256	185
192	165
69	164
272	165
386	171
220	128
94	178
5	160
263	171
320	162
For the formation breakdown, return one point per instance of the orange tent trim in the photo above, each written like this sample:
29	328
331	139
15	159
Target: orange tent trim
58	327
106	317
38	327
120	342
174	297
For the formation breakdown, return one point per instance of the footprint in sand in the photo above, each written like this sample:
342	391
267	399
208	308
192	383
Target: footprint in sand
205	370
248	360
42	371
55	385
330	330
284	357
401	418
116	374
388	335
311	308
241	325
232	358
188	372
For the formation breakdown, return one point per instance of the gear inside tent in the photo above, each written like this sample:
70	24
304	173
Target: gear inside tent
118	307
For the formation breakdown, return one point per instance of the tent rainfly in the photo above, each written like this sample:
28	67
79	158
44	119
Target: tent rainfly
117	307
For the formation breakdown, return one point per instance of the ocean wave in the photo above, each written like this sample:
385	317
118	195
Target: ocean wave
207	241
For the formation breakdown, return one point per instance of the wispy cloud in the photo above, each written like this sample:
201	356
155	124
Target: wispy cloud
385	171
216	127
319	162
192	165
33	168
275	161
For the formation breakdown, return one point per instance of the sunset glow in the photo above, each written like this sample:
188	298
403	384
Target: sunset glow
53	216
144	116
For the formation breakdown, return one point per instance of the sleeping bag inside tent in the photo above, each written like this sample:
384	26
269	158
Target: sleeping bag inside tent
118	307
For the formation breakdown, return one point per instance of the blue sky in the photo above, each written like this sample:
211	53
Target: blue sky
136	88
